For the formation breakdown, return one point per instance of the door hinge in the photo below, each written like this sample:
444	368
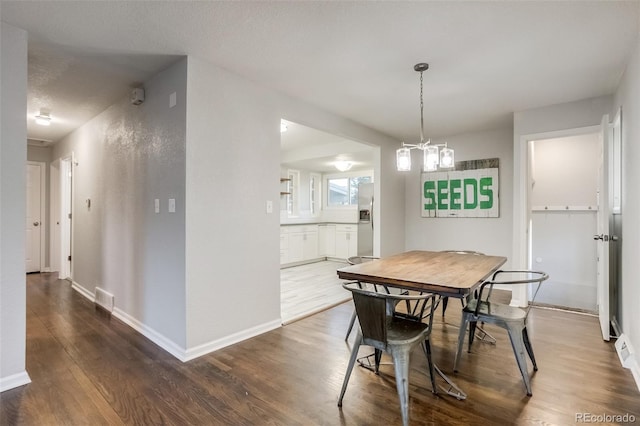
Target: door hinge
69	215
69	258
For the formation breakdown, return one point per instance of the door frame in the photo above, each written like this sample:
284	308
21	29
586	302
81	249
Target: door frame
54	215
522	202
43	219
66	224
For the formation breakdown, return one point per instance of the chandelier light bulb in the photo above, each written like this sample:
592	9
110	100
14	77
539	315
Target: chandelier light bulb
403	159
446	158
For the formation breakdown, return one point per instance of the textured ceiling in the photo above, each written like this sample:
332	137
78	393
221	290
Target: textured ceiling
355	59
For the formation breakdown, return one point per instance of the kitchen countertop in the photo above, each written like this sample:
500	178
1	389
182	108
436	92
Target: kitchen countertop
318	223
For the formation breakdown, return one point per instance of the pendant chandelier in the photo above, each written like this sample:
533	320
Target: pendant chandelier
433	155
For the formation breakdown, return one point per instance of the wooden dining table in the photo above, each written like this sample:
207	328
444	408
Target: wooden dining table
452	274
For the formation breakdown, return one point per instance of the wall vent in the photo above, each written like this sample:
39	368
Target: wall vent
625	351
104	300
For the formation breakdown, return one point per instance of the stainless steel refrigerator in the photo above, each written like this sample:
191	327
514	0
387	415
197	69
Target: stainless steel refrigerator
365	219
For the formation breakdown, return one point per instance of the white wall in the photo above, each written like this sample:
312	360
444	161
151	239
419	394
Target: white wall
486	235
13	157
565	171
628	97
126	157
233	168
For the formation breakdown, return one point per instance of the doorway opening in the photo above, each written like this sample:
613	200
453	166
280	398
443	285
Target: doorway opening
320	177
563	182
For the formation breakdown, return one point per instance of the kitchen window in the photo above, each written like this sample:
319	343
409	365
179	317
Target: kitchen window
292	197
343	191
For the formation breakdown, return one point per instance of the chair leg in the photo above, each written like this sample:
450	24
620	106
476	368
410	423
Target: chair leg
351	323
445	302
463	329
352	361
377	358
401	366
527	345
515	335
432	371
472	333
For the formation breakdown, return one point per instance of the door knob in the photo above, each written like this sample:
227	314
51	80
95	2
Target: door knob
605	237
36	223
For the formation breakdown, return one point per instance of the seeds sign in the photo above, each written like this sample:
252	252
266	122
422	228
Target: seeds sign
471	190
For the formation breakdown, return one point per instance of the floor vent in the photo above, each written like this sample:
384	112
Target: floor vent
104	300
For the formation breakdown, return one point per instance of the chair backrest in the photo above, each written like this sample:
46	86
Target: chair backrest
463	252
513	278
356	260
374	314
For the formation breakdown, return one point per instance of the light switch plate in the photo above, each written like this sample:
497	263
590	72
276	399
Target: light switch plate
172	205
269	206
157	205
172	100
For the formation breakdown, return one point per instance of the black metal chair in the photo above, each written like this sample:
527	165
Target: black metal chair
511	318
391	333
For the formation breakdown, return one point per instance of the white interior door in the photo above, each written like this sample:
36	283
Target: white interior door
34	217
602	237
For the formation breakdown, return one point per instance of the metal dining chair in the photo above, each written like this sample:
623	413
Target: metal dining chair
511	318
392	334
356	260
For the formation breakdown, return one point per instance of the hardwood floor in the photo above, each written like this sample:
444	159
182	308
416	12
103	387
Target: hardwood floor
309	289
89	369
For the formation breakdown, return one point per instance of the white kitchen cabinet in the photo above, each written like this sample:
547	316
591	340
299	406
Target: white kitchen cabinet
295	247
298	243
327	240
346	241
310	245
284	246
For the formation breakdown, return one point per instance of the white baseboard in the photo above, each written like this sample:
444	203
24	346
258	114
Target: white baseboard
83	291
170	346
46	269
14	381
635	370
151	334
230	340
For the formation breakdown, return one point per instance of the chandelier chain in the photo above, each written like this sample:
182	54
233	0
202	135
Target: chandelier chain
421	112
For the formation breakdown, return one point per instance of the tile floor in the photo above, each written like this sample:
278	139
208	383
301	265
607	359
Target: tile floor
309	289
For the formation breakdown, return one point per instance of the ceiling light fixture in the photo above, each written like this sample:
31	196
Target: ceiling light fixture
343	166
432	155
43	119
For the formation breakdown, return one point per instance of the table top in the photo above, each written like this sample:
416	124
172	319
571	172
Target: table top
447	273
